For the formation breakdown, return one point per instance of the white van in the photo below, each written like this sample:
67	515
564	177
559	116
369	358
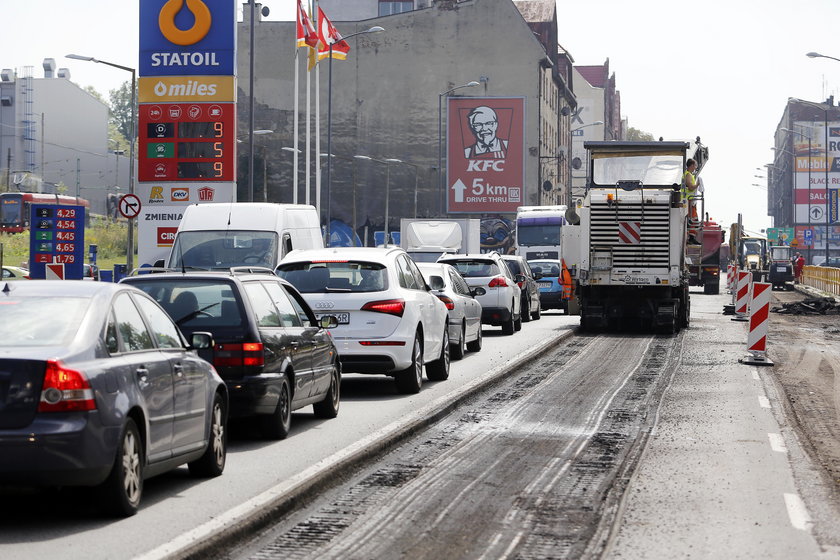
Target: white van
223	235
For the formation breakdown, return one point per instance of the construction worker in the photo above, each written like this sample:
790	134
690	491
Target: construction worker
798	265
689	191
566	282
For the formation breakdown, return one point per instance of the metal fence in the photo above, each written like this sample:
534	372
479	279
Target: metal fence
824	278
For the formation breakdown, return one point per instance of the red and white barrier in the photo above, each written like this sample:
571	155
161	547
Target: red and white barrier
759	323
731	275
742	296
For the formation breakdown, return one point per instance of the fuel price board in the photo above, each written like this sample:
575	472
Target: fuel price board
187	142
57	235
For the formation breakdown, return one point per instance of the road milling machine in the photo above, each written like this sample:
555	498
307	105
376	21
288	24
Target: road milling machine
633	226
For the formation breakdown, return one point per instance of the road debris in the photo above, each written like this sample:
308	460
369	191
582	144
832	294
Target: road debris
812	306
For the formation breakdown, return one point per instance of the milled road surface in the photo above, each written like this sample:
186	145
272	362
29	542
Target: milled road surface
524	471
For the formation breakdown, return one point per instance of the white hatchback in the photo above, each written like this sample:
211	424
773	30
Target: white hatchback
389	320
500	304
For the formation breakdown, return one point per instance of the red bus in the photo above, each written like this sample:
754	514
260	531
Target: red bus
14	208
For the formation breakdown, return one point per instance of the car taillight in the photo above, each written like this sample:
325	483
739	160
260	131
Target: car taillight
65	390
390	306
498	282
238	355
450	305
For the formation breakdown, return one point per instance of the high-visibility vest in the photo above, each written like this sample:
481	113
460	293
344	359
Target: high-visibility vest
566	280
686	193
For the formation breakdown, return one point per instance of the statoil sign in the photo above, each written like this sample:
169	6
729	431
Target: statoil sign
187	37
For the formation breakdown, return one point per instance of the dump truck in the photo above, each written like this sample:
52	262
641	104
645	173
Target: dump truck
704	265
633	232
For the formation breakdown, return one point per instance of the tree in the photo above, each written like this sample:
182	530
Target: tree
121	109
636	135
92	90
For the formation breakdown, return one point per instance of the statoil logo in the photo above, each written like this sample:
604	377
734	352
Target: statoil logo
202	19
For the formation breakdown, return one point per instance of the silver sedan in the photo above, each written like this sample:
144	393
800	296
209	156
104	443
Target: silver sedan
464	310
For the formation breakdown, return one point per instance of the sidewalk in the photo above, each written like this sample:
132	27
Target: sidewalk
722	473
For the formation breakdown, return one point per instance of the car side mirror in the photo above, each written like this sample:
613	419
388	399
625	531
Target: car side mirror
519	278
477	291
537	275
328	321
436	283
201	340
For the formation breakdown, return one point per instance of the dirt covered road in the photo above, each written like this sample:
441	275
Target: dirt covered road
806	352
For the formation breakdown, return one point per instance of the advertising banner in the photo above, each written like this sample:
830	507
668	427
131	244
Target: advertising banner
154	239
485	171
817	171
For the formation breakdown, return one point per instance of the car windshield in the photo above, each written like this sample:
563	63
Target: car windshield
546	268
40	321
224	249
651	169
475	268
342	276
196	304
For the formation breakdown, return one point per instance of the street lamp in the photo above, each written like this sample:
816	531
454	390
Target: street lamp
374	29
441	174
596	123
386	161
130	244
818	55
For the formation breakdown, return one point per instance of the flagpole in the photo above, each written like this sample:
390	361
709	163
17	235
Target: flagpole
296	141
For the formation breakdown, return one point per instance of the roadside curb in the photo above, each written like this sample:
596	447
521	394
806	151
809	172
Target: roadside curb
264	508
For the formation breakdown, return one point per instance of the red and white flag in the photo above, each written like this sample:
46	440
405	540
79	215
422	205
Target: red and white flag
329	35
307	35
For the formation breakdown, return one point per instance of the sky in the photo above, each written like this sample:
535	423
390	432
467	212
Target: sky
720	69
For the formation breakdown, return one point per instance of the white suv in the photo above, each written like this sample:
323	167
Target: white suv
389	321
500	304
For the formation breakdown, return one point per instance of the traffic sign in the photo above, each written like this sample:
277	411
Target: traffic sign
129	206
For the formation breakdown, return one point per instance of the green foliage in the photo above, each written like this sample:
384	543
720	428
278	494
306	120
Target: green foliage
121	108
636	135
92	90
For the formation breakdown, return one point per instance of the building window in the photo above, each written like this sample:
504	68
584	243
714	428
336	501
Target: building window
389	7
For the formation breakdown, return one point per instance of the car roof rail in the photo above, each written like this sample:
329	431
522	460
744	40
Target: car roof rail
158	269
251	270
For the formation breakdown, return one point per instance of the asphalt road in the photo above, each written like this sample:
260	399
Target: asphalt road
178	511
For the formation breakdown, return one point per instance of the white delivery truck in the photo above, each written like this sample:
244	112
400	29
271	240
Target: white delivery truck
426	240
224	235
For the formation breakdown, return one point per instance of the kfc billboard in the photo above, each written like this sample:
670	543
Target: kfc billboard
485	147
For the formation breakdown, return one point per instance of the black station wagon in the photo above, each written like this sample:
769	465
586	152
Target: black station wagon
270	350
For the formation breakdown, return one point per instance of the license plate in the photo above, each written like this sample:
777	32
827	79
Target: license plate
544	284
343	318
782	269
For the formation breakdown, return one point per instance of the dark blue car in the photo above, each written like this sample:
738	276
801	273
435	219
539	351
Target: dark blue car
98	387
548	273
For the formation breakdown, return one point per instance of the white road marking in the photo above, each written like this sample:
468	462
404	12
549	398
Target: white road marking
763	401
777	443
797	512
755	375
